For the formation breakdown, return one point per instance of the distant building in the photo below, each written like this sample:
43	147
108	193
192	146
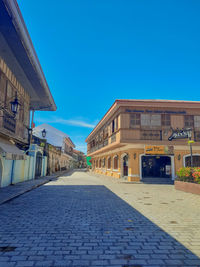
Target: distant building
80	159
23	88
132	139
59	147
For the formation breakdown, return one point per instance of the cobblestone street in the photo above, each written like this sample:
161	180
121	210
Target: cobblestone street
87	220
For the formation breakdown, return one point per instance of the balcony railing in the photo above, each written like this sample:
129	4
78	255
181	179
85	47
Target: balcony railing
9	123
99	146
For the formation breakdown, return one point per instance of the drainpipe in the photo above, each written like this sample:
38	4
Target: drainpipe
12	172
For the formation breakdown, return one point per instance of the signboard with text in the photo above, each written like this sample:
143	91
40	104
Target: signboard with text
159	150
180	134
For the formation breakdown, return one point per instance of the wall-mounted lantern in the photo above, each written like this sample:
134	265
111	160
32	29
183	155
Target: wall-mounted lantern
14	105
44	132
134	155
179	157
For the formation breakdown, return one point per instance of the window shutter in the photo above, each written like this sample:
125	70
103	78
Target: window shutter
155	120
197	121
145	120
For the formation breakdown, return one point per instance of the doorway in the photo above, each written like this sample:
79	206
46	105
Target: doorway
38	164
125	166
156	167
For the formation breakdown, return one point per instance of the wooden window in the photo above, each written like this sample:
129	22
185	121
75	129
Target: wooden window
145	120
113	126
21	112
116	127
9	95
189	121
150	120
196	161
109	163
197	121
96	163
134	120
26	114
115	162
156	120
100	163
105	133
166	120
151	135
197	136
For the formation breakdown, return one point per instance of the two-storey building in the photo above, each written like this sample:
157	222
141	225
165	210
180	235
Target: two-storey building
22	82
131	140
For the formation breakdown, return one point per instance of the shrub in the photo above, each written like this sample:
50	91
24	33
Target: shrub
188	174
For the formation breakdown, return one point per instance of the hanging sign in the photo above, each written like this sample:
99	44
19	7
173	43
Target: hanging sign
159	150
180	134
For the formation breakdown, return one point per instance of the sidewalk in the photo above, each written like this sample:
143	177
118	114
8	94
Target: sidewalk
12	191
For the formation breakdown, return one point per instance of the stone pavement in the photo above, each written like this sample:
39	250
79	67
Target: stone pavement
86	220
12	191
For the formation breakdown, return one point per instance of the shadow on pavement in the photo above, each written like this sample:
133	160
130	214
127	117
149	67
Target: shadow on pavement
86	226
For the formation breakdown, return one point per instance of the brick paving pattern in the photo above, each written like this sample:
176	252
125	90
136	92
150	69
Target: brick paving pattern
86	220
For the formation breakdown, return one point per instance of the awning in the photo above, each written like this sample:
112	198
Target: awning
10	151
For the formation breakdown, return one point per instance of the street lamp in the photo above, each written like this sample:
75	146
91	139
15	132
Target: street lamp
190	141
44	132
14	105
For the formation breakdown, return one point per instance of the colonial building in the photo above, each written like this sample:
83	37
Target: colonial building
59	147
80	159
132	139
23	87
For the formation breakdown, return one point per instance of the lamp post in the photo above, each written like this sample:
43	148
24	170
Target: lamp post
190	141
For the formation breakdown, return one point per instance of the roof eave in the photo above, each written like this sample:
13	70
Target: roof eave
18	22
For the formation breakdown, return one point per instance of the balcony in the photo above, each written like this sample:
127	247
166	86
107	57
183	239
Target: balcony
9	123
99	146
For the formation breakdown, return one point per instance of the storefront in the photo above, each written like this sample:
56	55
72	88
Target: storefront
157	162
156	166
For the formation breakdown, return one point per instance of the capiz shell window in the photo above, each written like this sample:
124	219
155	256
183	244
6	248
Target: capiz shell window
134	120
150	120
197	121
189	121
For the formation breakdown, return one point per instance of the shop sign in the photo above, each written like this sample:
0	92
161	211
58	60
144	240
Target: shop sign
159	150
156	111
180	134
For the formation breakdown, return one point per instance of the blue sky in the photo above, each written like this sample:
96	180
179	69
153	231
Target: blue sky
93	52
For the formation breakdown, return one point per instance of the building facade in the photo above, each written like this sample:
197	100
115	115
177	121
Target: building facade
22	82
132	139
58	147
80	159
